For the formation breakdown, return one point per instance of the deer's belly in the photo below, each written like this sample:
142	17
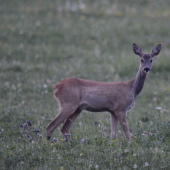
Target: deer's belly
98	104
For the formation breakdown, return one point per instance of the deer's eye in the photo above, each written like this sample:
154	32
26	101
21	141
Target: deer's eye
141	60
151	61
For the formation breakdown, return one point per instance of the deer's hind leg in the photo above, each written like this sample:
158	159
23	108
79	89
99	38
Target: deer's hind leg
69	121
65	112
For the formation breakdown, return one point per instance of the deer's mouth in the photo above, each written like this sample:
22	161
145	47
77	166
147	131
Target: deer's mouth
146	69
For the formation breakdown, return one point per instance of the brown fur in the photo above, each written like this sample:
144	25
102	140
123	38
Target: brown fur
75	95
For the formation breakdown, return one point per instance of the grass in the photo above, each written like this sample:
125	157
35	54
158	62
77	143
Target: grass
42	43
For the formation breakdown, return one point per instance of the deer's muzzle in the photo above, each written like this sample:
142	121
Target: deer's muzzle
146	69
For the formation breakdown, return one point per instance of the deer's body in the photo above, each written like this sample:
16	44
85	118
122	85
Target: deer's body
95	96
75	95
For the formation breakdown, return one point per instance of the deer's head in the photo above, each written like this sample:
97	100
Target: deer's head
146	59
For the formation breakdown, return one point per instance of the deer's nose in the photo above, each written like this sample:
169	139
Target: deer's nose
146	69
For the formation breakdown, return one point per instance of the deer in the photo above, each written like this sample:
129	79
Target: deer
75	95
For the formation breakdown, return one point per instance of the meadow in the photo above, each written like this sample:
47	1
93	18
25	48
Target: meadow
43	42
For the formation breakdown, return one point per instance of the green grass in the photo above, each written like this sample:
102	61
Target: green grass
43	42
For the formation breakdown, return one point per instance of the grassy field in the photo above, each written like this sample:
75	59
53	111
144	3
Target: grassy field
43	42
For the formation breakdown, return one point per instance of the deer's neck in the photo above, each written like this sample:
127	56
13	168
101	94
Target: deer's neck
138	82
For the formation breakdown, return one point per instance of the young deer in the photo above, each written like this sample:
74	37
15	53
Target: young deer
75	95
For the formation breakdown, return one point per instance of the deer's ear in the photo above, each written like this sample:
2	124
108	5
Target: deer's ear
156	50
137	50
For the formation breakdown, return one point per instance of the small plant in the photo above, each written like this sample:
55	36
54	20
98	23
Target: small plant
28	133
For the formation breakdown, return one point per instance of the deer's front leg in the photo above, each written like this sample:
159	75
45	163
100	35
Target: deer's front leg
122	119
114	121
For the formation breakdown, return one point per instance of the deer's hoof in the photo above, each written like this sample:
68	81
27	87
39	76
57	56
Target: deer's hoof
67	137
48	138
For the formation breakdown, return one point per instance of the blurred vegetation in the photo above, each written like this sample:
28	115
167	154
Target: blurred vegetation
43	42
